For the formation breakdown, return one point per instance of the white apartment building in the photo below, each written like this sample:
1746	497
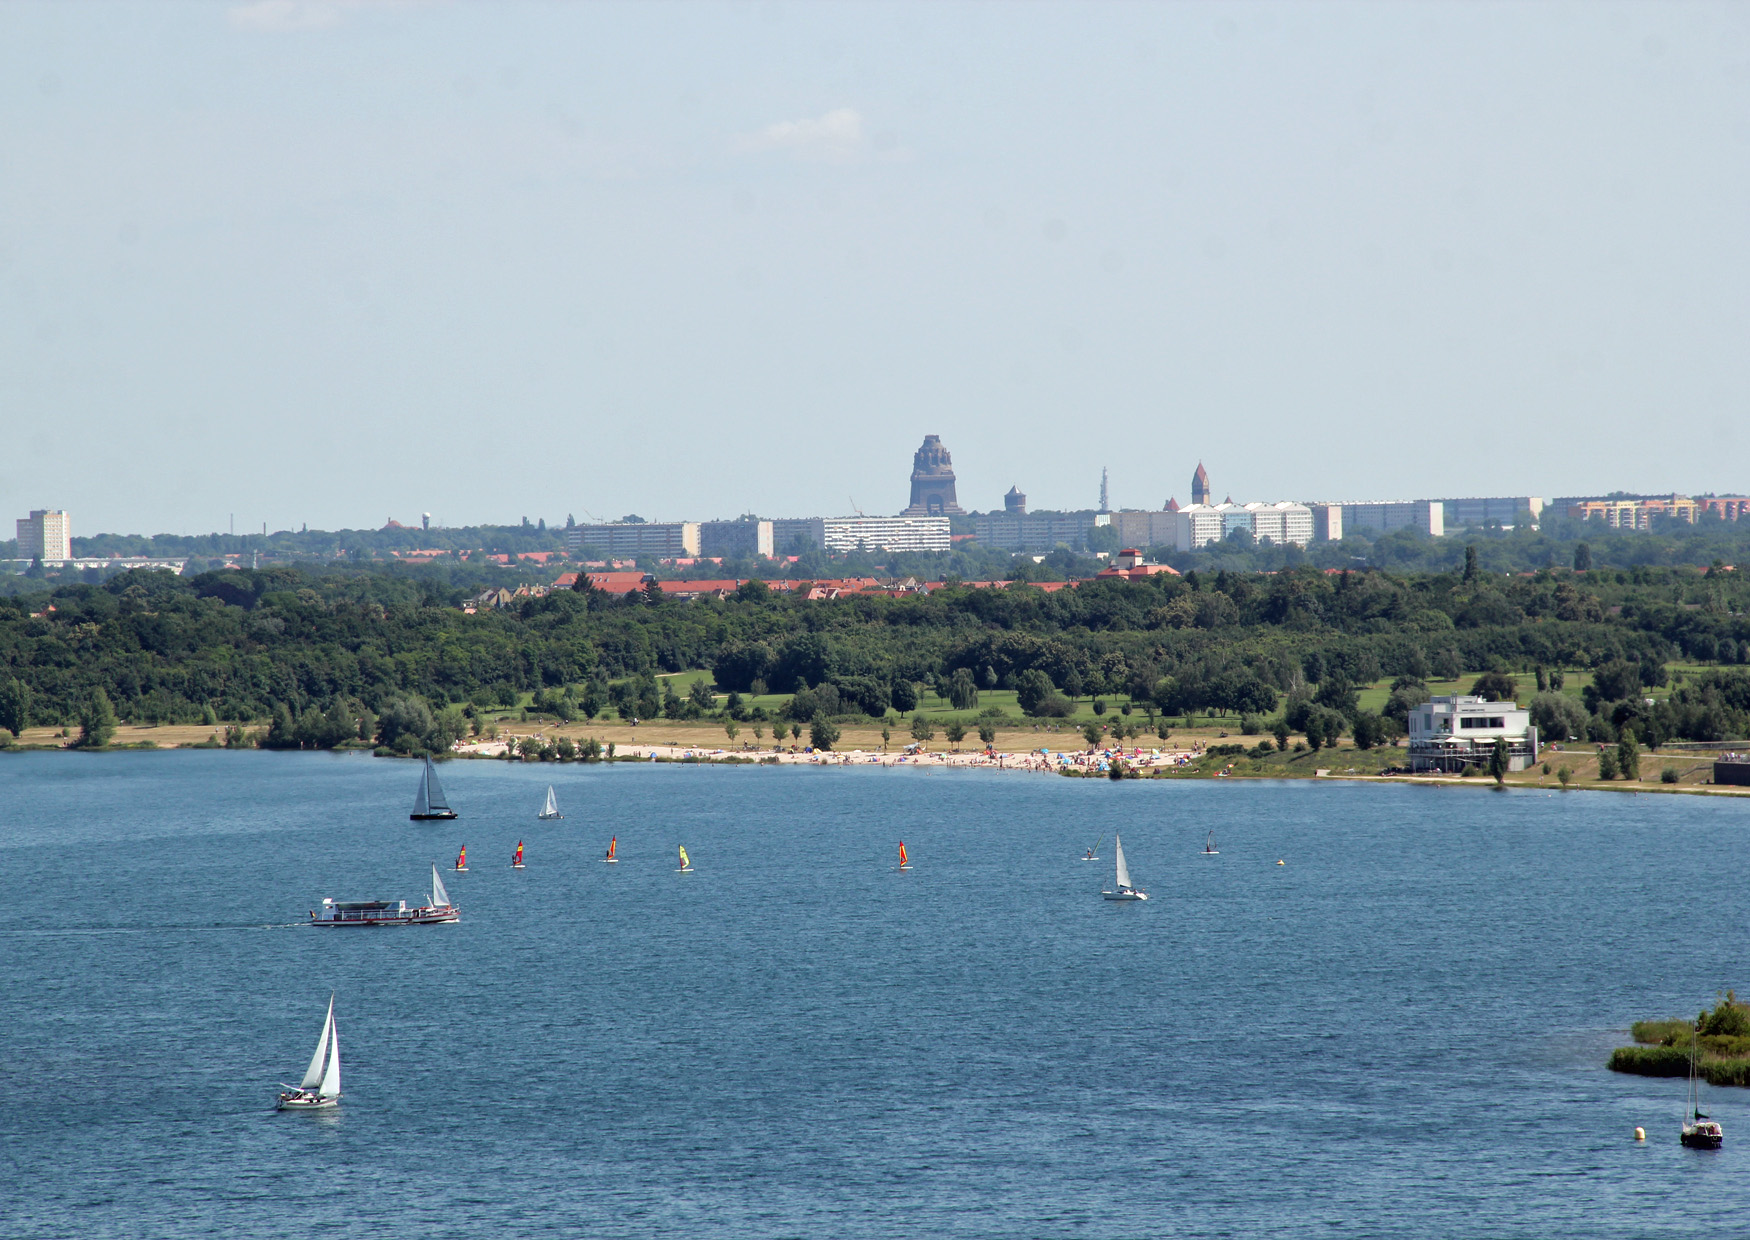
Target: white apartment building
1451	733
652	538
887	533
1282	522
45	535
1198	525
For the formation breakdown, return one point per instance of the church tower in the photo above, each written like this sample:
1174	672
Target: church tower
1200	485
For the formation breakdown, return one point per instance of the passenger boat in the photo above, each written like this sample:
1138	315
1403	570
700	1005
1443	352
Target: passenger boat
428	802
1123	889
904	861
321	1086
518	863
384	913
1699	1132
550	811
613	845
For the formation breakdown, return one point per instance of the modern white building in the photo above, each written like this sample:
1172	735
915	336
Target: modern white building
1198	525
746	537
1451	733
1282	522
45	535
887	533
1427	515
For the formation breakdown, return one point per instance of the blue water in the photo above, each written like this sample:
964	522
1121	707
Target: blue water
1399	1032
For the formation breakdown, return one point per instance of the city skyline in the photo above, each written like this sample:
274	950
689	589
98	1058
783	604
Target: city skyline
470	260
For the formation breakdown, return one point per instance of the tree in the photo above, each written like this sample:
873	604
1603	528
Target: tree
700	694
823	734
1091	733
731	729
1498	761
1031	688
1367	729
1606	764
1582	557
1279	730
795	731
15	706
955	731
886	735
1557	717
1315	730
1470	563
987	732
904	694
921	728
962	689
1628	755
1564	774
1495	686
96	721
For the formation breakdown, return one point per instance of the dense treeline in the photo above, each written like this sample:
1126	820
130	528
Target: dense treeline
331	654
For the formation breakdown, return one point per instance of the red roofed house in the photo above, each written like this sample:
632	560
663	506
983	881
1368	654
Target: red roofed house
1129	565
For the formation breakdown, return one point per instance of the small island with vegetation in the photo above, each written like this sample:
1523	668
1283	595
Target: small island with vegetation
1722	1047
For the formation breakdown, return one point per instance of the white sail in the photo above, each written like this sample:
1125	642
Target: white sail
313	1074
551	809
422	798
433	791
439	897
1123	870
331	1078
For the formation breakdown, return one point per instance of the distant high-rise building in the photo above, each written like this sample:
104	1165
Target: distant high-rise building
1200	492
932	482
887	533
652	538
1015	502
1104	506
45	535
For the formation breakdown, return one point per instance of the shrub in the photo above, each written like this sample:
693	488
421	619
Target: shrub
1668	775
823	734
1564	774
1250	725
955	731
987	733
1606	764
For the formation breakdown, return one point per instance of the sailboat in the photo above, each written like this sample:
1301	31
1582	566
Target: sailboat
518	863
904	861
1699	1132
462	860
613	846
321	1084
1093	854
1209	848
429	803
551	810
686	864
1121	881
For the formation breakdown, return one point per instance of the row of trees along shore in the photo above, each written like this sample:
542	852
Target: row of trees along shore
326	655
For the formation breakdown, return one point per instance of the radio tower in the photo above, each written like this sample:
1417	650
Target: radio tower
1104	506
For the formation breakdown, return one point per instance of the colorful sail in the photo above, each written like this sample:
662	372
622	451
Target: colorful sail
685	863
519	854
904	861
462	858
612	845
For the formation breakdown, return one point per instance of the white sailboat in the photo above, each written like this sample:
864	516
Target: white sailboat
1122	886
428	802
1699	1132
1209	848
321	1084
551	810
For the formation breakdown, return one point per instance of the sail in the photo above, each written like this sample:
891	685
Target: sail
462	858
551	809
1123	870
422	798
434	793
519	853
903	859
331	1078
439	897
684	862
613	844
313	1074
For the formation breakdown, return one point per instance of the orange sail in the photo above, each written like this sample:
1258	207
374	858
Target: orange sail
612	845
904	860
462	858
519	854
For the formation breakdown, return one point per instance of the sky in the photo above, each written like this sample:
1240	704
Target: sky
330	263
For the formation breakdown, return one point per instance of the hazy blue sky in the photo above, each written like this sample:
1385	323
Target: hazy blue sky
337	262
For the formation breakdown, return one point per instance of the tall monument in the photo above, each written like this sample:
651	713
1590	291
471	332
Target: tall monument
1200	485
932	482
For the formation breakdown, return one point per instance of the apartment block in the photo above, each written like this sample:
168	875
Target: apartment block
634	538
887	533
45	535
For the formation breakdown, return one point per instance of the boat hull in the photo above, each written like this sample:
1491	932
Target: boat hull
1124	895
549	817
435	917
1701	1138
304	1102
447	814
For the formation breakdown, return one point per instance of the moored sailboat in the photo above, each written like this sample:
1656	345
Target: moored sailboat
1123	889
613	847
429	802
518	863
321	1085
550	811
1699	1132
686	866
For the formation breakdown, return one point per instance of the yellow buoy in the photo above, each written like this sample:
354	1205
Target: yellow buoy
1640	1134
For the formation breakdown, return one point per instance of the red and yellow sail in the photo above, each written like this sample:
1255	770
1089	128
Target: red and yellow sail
612	845
519	853
462	858
903	859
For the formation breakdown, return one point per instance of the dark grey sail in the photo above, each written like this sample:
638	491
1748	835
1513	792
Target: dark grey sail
429	801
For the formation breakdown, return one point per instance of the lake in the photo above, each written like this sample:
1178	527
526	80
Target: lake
1401	1031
